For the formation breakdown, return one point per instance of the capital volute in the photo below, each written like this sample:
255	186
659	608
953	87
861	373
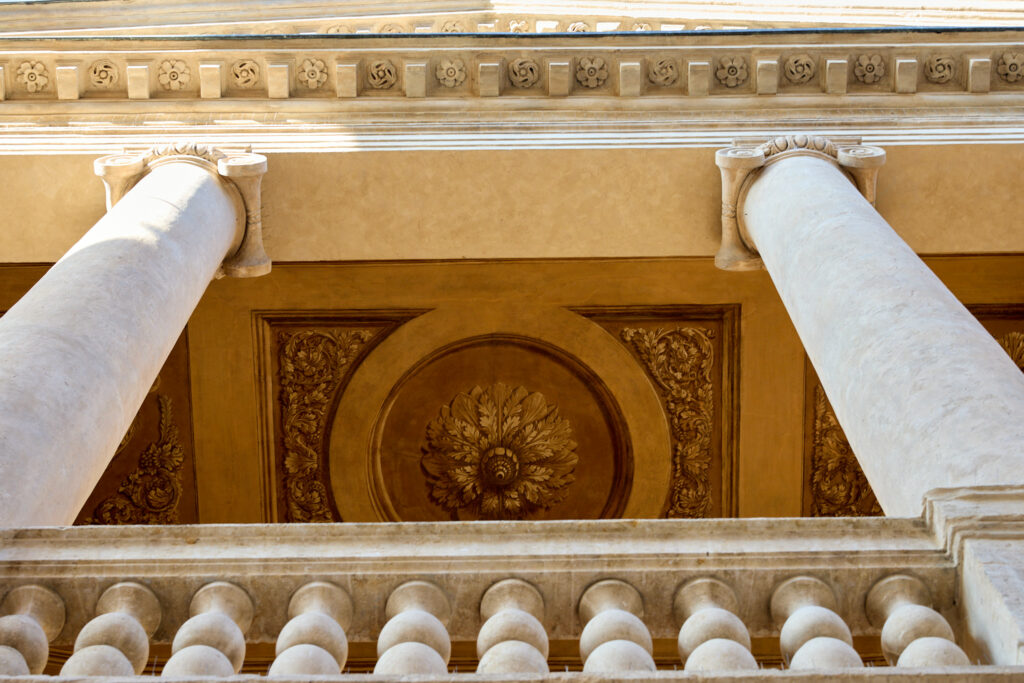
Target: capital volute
742	163
243	171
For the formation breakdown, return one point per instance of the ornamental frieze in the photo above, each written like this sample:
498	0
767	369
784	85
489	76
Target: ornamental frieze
298	67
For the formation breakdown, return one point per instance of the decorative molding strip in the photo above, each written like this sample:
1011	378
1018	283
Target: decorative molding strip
303	68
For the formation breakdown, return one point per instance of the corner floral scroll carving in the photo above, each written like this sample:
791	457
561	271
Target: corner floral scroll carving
838	485
1013	344
313	364
499	453
680	362
150	494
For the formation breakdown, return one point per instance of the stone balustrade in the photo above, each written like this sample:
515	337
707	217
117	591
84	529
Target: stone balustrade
508	598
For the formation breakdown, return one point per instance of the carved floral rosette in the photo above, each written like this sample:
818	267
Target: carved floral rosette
680	362
313	364
498	453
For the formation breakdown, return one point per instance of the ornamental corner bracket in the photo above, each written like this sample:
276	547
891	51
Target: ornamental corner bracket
241	170
741	164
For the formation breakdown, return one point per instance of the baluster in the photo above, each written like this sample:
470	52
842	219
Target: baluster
712	637
313	641
415	640
512	638
33	616
116	641
614	637
913	634
212	641
813	636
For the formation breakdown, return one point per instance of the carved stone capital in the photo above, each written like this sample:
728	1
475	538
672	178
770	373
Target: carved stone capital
741	164
241	170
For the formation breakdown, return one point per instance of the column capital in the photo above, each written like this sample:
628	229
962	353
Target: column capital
241	170
741	164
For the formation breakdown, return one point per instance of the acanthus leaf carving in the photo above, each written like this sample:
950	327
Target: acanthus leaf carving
680	363
498	453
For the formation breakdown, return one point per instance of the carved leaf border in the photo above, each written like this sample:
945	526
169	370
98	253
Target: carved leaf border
680	361
313	365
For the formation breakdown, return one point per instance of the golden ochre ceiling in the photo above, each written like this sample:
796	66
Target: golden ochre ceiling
496	390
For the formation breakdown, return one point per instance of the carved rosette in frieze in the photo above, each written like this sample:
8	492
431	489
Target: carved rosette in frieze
499	452
451	72
312	73
523	73
1011	66
245	73
731	71
663	72
869	69
939	69
381	74
799	69
33	76
591	72
838	487
680	362
103	74
313	363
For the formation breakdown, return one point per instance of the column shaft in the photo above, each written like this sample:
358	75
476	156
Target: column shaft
80	350
927	398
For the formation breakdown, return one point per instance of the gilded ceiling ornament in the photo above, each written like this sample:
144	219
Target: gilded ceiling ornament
939	69
1011	66
151	492
869	69
173	74
838	485
732	71
451	72
1013	344
498	453
312	73
452	26
381	74
33	76
313	364
680	362
518	26
103	74
663	72
591	72
799	69
578	27
523	73
246	73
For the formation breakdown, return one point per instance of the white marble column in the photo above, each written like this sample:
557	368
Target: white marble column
925	395
80	350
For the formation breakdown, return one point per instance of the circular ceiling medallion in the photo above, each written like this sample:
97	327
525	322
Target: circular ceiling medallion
500	427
